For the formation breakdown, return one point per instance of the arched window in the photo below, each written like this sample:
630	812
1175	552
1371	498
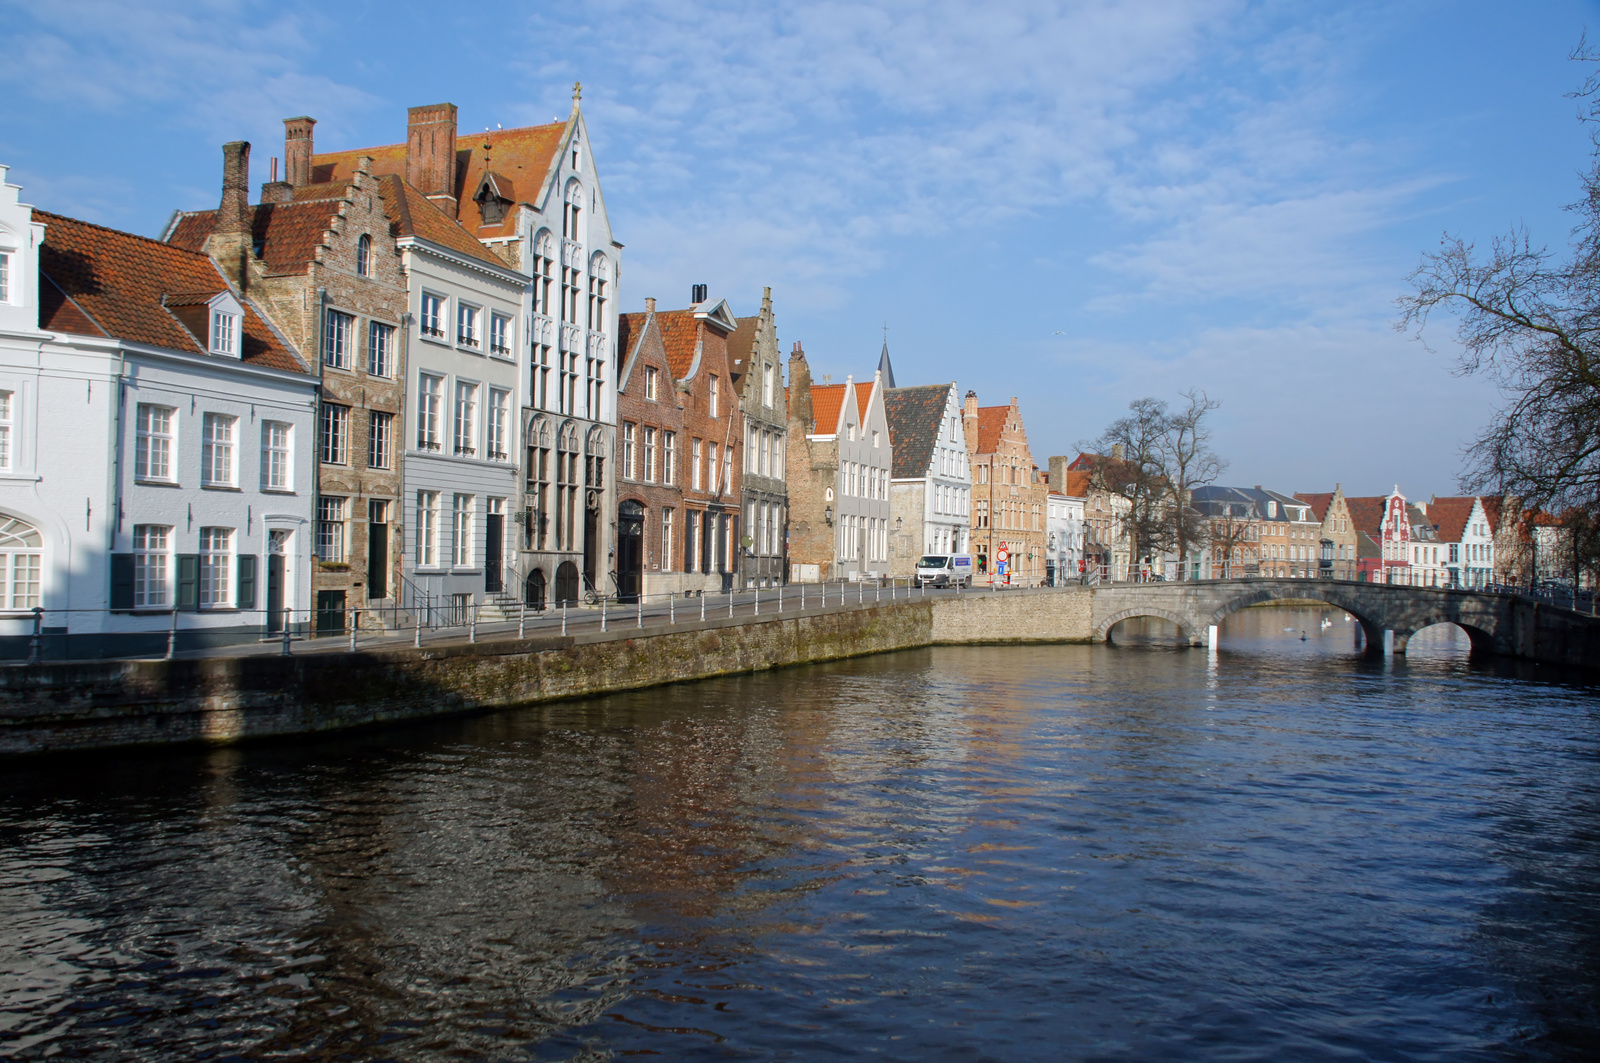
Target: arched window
572	216
544	270
21	561
364	255
599	291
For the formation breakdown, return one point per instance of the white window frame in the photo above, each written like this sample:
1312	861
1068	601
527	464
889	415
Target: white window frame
21	565
464	432
216	568
500	339
332	515
337	328
430	397
427	529
8	399
333	434
499	445
152	442
380	440
431	318
469	326
669	457
462	527
380	349
277	456
152	566
219	450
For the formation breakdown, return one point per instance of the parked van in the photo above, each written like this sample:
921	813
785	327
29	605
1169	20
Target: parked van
945	570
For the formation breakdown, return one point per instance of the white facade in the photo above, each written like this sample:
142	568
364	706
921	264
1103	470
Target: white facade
1064	535
138	478
463	445
1472	558
947	522
861	486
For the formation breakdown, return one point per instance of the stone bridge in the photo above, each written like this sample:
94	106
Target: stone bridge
1496	623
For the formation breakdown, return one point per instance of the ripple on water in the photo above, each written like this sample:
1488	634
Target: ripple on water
1277	851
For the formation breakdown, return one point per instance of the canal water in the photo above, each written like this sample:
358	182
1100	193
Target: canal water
1277	851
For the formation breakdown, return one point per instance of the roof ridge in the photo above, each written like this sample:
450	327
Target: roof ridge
485	133
120	232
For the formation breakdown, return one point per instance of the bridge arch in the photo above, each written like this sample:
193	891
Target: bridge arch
1481	637
1372	624
1185	625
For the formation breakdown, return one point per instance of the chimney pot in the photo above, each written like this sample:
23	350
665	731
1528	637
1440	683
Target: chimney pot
297	150
697	294
431	151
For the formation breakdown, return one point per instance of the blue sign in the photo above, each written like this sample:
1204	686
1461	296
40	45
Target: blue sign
1005	566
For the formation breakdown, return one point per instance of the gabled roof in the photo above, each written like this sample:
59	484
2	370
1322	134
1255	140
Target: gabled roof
287	233
915	416
1319	503
991	422
1077	485
1491	509
1421	526
521	156
102	282
827	406
1450	517
1366	514
680	334
863	400
414	214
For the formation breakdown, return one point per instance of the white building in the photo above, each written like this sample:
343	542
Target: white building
464	377
1063	537
155	445
1466	533
931	485
851	415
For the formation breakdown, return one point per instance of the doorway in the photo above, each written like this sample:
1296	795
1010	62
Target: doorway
630	550
330	612
533	589
377	548
566	583
494	547
277	578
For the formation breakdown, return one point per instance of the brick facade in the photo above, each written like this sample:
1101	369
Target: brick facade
758	377
1008	497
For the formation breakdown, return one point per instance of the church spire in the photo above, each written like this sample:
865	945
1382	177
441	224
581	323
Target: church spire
884	367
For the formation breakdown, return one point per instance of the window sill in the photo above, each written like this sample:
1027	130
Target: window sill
465	571
220	487
277	491
437	340
157	483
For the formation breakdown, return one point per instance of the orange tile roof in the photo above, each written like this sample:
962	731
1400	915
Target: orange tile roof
287	233
111	283
991	423
414	214
1319	502
1491	509
679	335
827	402
1366	514
863	400
521	156
1078	483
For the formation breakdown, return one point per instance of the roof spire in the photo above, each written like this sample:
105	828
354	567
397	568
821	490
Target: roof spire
577	91
884	368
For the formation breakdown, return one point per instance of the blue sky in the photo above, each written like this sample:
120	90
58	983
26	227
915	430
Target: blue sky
1078	204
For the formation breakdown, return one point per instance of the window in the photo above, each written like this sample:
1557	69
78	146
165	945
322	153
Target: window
666	540
544	254
364	255
153	448
649	455
874	437
711	468
330	528
467	325
499	423
711	396
5	277
336	339
466	433
380	349
461	537
627	450
669	457
650	377
151	546
379	435
216	450
768	384
277	459
727	468
694	465
224	332
216	567
427	528
499	334
5	429
433	315
430	396
335	434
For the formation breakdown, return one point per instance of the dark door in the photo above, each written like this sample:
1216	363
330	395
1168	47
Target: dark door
566	582
630	550
377	549
591	542
330	612
274	593
494	551
533	589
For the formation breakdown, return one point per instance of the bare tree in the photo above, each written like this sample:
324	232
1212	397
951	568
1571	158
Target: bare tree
1228	536
1128	463
1189	462
1529	319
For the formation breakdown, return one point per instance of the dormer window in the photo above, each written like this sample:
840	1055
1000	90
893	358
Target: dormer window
364	255
224	314
1272	509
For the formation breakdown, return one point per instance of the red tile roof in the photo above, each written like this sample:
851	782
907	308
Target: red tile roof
522	156
414	214
991	423
1366	514
863	400
1319	503
680	334
287	233
827	402
103	282
1077	485
1449	517
1491	509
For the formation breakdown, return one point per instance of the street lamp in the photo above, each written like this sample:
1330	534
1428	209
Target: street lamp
827	515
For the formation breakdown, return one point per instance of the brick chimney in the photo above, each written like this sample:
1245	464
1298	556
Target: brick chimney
297	150
802	420
650	305
230	242
431	151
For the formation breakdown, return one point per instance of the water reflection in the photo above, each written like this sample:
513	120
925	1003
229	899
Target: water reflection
1279	849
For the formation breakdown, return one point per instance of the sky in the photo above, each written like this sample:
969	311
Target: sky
1078	204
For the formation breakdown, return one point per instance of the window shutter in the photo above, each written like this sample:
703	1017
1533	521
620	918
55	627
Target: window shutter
247	582
122	581
188	581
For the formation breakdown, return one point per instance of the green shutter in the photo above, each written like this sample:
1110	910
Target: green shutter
247	582
188	581
122	581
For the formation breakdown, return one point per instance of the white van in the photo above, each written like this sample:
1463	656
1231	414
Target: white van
945	570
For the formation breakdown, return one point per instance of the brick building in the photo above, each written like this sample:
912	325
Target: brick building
1383	529
1233	531
318	256
1338	534
1008	499
650	516
758	378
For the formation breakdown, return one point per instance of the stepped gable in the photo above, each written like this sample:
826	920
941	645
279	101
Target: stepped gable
288	234
991	424
518	159
104	282
915	416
